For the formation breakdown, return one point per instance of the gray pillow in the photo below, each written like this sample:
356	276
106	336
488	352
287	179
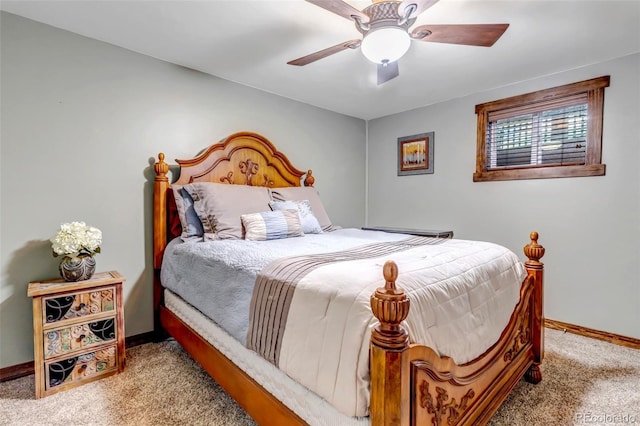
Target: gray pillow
219	207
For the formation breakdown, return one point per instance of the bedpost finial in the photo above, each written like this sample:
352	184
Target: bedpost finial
390	272
309	180
534	251
390	305
161	168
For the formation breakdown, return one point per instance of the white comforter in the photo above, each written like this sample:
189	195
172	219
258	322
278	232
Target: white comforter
462	295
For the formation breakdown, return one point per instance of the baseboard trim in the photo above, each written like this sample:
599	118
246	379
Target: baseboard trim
617	339
16	371
139	339
27	368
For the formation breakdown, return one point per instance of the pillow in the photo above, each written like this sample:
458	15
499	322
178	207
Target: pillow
271	225
299	193
191	224
309	222
219	207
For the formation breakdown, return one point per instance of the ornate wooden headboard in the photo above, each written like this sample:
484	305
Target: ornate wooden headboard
244	158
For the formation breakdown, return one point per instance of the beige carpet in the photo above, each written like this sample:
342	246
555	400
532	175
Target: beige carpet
585	381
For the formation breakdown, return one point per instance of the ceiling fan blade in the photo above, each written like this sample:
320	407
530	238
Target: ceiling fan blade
418	5
340	8
387	71
471	34
351	44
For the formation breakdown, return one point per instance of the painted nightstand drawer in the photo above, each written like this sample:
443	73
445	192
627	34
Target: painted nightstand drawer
80	368
64	340
78	305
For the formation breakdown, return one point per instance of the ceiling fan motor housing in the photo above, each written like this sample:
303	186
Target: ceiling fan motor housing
383	14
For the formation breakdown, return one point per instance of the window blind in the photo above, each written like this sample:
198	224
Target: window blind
550	132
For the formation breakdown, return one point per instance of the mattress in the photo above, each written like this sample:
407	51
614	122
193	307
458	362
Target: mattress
462	294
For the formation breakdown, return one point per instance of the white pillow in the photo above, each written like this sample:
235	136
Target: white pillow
310	224
298	193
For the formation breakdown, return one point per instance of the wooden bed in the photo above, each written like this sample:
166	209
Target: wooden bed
410	384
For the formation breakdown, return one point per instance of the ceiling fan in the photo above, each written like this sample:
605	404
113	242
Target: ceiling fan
386	36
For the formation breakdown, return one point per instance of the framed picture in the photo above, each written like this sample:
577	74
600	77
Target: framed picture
415	154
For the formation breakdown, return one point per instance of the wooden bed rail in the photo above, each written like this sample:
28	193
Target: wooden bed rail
413	385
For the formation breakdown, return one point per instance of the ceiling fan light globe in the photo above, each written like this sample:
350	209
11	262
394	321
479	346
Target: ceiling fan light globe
386	44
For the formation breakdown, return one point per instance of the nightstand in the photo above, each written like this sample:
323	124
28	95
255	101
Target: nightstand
419	232
78	331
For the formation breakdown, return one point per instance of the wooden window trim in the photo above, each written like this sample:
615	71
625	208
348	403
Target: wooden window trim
593	161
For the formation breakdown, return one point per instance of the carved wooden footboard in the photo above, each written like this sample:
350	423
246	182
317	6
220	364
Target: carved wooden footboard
410	384
413	385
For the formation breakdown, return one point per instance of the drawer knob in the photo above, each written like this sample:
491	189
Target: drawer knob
81	337
83	367
82	306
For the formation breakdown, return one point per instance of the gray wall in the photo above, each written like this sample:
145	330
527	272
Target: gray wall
589	225
81	123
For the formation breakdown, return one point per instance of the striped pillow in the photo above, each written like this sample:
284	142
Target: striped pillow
271	225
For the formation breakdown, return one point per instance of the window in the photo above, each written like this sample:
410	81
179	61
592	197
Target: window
550	133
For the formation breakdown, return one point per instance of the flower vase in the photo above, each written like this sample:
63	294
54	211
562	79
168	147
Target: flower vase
77	268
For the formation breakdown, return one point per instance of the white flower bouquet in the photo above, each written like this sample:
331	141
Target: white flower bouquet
76	238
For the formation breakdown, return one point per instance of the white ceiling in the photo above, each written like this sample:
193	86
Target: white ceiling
250	42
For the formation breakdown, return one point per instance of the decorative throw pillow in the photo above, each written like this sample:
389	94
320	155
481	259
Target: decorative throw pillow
309	222
299	193
191	224
219	207
271	225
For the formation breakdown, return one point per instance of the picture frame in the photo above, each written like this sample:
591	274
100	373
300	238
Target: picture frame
415	154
